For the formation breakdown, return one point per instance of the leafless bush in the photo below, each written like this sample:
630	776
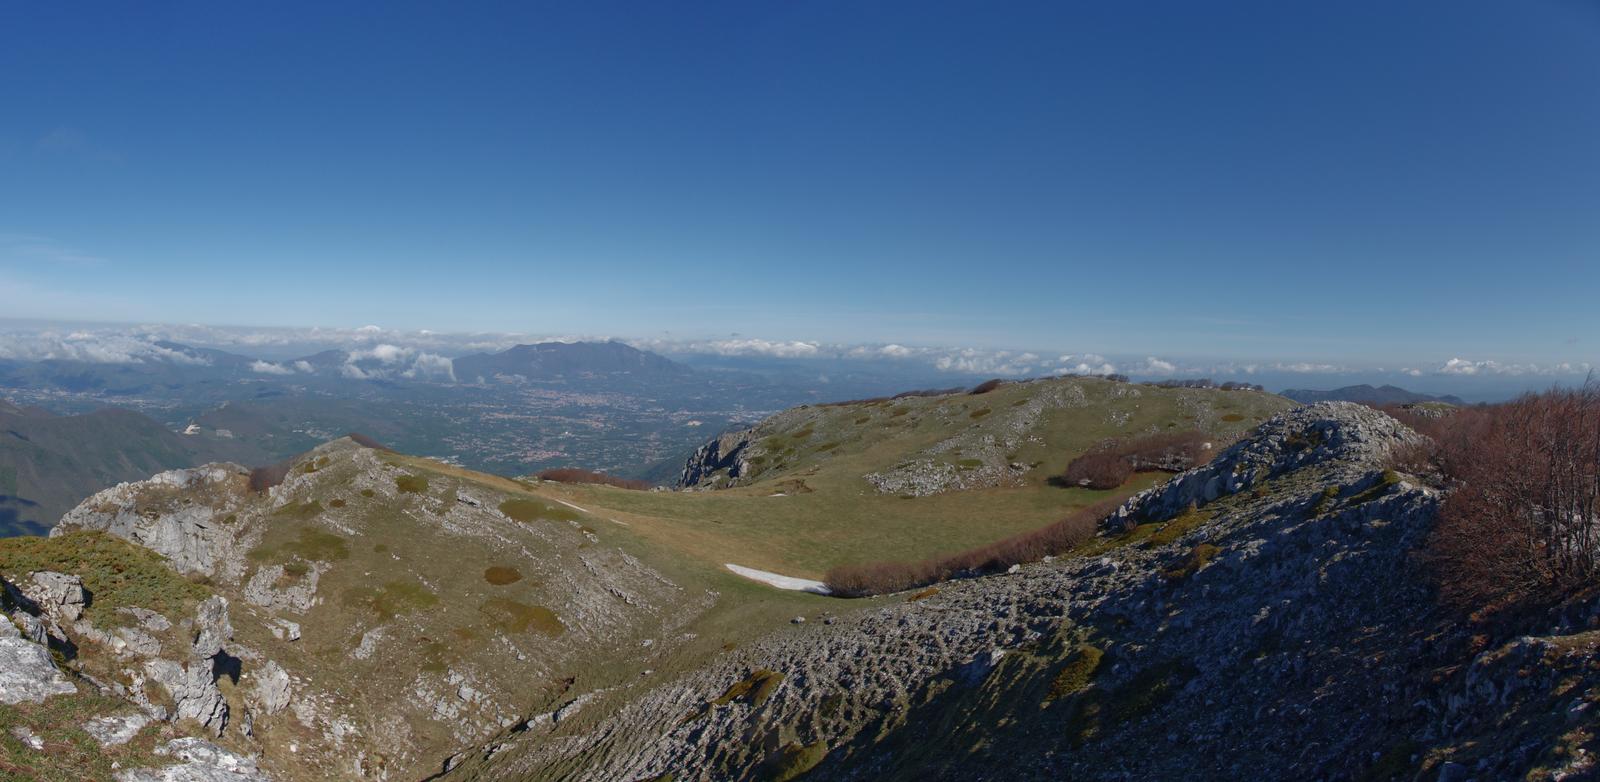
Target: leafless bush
574	475
1113	461
263	478
876	578
1523	517
366	442
986	386
1099	470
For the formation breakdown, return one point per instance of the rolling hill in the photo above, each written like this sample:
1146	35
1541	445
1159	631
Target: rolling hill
569	360
50	463
1366	394
365	614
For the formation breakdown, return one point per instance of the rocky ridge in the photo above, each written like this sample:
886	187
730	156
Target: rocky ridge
1260	616
291	661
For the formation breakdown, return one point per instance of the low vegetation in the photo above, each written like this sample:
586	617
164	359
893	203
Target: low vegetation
1522	521
529	510
1112	462
502	575
574	475
875	578
116	573
1077	674
511	616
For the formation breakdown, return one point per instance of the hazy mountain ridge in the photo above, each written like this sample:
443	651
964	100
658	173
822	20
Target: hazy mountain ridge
49	463
1381	395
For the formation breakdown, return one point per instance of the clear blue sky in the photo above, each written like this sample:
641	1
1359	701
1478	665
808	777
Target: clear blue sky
1353	180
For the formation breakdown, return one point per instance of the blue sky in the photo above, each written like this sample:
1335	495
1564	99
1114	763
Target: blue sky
1357	182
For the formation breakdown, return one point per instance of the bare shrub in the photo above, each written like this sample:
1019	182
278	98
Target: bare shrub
264	478
1168	451
986	386
1099	470
1523	518
1112	462
367	442
876	578
574	475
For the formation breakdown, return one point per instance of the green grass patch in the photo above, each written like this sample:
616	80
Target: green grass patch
70	754
1179	526
411	484
511	616
1325	502
1198	558
116	573
528	510
754	689
1389	479
1077	674
299	510
969	464
794	760
392	599
501	575
318	546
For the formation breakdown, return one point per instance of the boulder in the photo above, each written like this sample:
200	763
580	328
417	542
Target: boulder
116	729
58	594
211	627
26	671
198	760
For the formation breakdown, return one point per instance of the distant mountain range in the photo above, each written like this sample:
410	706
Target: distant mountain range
49	463
1382	395
553	360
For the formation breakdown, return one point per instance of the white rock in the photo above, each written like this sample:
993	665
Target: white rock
114	729
27	673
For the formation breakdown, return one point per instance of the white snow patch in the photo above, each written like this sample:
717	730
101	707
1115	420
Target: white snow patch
781	582
570	505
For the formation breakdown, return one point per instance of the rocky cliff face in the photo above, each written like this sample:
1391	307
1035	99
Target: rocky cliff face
369	618
719	462
1260	617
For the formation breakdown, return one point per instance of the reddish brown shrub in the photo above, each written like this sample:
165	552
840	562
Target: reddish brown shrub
986	386
263	478
1098	469
1169	451
1523	518
574	475
876	578
366	442
1112	462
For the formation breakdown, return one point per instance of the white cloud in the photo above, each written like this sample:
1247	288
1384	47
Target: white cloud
1153	366
1468	367
762	347
304	366
90	347
385	360
1306	367
269	368
431	365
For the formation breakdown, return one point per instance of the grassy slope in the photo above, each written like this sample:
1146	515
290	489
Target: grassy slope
684	535
843	519
48	464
